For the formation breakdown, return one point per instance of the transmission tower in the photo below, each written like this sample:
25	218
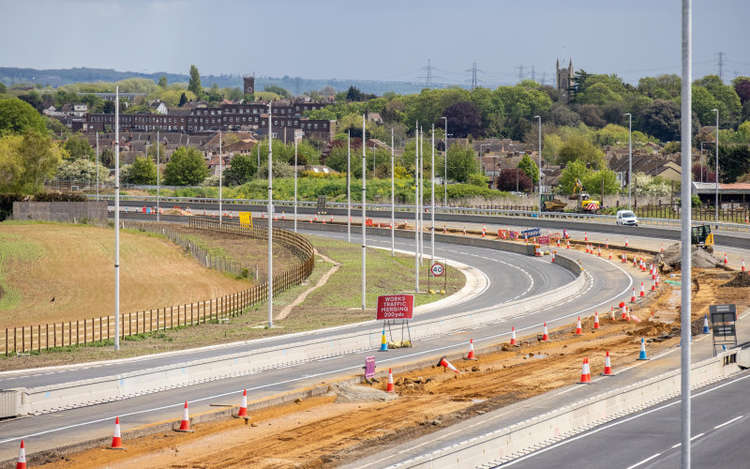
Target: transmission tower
474	75
428	74
533	74
520	72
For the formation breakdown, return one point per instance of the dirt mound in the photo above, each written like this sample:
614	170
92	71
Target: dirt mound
352	393
742	279
671	258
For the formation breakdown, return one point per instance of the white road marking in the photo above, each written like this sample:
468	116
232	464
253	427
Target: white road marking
697	436
728	422
645	460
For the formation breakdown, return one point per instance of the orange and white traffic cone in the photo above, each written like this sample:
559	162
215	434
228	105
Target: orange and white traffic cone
567	244
607	365
484	231
624	259
642	292
626	242
606	243
242	413
471	355
445	230
653	285
743	265
117	438
545	334
21	463
464	231
579	330
447	365
612	313
632	297
185	422
599	251
726	261
585	236
624	311
555	253
585	372
596	320
390	387
512	336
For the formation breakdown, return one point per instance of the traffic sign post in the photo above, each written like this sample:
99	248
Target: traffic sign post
723	319
437	269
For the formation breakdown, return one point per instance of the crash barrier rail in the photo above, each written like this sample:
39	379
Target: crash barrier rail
35	338
508	443
57	397
699	215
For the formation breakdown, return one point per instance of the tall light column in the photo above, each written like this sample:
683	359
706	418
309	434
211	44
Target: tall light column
716	182
393	197
421	195
686	222
220	181
117	218
432	195
349	186
97	166
416	209
445	164
364	214
158	182
270	219
539	125
295	183
630	160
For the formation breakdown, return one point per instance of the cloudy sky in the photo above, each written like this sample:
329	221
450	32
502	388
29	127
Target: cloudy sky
377	39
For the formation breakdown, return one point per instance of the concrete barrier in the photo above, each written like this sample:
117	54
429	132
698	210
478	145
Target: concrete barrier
506	444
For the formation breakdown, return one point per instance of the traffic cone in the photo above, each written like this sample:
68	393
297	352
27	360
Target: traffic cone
626	242
610	256
512	336
117	438
445	230
624	259
726	261
242	413
586	236
705	324
743	265
578	326
484	231
643	292
545	335
555	252
612	313
607	365
653	285
21	463
656	282
464	231
624	316
585	372
447	365
632	297
383	342
606	243
596	320
471	355
642	354
567	244
599	251
185	422
389	387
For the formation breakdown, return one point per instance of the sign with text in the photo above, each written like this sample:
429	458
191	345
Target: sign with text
246	219
395	307
369	367
437	269
531	233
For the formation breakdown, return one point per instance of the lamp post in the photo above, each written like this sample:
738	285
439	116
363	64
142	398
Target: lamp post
416	209
270	220
393	197
716	192
539	125
220	181
295	183
158	182
364	214
630	159
432	195
97	166
349	186
445	164
117	218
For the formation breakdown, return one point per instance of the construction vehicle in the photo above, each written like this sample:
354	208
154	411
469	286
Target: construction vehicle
552	204
585	203
702	237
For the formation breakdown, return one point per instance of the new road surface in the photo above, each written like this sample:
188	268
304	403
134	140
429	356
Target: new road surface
510	277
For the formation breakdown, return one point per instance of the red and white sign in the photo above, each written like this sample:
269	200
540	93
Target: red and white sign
437	269
395	307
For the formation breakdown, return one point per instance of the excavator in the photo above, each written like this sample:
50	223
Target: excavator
585	203
702	237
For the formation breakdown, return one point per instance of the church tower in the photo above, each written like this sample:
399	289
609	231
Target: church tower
249	82
564	79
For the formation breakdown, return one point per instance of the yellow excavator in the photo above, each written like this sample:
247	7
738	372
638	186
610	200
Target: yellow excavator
702	237
585	202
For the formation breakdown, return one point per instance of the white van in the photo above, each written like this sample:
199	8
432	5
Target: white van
626	217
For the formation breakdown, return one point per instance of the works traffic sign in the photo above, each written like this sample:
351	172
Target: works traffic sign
437	269
395	307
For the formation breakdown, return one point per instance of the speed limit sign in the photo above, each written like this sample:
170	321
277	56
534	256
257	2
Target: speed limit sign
437	269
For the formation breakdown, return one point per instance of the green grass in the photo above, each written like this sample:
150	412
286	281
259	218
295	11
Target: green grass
14	251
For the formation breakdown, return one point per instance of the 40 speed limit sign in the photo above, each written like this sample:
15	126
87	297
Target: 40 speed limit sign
437	269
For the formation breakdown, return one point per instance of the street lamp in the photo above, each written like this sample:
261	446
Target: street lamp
630	159
445	164
539	125
716	192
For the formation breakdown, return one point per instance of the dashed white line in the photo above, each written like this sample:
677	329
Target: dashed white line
728	422
640	463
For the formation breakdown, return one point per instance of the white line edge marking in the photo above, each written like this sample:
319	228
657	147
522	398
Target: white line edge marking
644	461
728	422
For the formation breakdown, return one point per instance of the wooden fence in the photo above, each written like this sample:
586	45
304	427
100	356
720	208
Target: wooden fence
33	338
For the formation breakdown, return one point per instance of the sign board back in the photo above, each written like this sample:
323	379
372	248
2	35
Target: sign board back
369	367
395	307
246	219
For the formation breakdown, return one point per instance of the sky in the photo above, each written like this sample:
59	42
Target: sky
377	39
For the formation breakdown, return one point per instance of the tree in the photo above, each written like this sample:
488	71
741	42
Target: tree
107	157
734	161
194	84
11	166
242	170
278	90
742	88
186	167
462	161
142	171
17	116
81	171
183	100
3	89
163	82
354	94
464	118
108	107
575	171
78	146
603	180
514	179
529	167
662	120
579	148
27	160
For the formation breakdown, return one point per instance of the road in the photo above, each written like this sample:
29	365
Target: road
651	438
607	284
